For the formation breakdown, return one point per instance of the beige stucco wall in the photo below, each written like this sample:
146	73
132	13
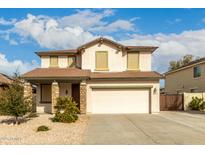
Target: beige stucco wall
154	95
184	80
145	61
117	60
45	61
62	61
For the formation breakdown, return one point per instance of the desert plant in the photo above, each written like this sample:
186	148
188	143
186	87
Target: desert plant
66	110
13	102
196	104
42	128
202	106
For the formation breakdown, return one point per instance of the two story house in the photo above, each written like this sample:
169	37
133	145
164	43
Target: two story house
102	76
187	78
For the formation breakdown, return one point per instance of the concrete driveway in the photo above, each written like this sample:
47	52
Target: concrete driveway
163	128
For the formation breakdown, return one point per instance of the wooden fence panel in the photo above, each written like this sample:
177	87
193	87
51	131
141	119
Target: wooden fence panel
171	102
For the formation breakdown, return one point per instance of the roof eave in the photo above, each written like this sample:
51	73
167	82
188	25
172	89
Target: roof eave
183	67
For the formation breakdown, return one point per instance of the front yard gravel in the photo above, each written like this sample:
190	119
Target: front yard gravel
59	133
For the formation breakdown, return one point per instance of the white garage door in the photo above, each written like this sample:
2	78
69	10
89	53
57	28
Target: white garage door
120	101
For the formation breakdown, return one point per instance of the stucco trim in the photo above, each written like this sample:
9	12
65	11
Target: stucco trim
121	87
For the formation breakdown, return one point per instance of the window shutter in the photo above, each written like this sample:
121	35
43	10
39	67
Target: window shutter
71	61
53	61
133	61
101	60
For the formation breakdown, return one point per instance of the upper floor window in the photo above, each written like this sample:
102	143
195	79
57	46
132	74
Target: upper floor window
53	61
101	60
71	61
133	61
197	71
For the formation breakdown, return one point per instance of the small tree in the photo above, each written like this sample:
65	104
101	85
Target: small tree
66	110
187	59
178	63
12	101
174	65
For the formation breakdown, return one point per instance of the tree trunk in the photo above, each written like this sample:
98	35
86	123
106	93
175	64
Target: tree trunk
16	120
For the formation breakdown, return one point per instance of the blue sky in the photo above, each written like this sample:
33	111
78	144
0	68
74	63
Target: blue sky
23	31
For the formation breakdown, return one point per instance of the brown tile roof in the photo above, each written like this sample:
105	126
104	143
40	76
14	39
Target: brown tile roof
4	79
118	45
200	60
101	39
56	73
126	74
75	73
141	48
57	52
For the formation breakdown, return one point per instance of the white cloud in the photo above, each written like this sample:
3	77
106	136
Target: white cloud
115	26
47	32
203	20
9	67
171	22
85	19
7	38
171	46
135	18
66	32
7	22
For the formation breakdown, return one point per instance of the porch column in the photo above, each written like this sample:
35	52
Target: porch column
83	92
28	91
54	95
28	94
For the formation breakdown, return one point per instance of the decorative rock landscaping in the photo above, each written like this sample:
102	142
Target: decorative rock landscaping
60	133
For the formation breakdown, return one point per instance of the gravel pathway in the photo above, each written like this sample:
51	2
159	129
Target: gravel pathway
60	133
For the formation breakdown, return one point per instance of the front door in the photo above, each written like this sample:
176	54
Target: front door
76	94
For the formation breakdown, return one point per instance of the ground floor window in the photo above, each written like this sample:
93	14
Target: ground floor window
45	93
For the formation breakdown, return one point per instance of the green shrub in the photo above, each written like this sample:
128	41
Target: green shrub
42	128
196	104
12	101
66	110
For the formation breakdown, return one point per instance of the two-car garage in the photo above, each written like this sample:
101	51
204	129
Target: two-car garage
123	92
121	100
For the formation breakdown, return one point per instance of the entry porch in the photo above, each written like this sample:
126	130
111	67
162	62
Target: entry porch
47	92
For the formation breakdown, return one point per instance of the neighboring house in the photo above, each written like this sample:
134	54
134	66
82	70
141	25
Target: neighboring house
102	76
188	78
4	81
